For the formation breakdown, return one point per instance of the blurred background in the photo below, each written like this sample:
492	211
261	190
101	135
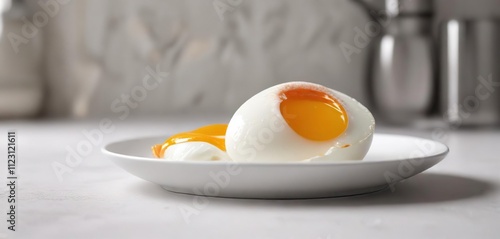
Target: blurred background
409	61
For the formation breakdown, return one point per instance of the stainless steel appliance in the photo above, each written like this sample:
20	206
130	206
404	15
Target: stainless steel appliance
470	72
404	67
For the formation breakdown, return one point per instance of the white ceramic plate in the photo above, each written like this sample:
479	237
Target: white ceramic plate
390	159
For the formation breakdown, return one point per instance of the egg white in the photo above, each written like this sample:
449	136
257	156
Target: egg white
195	151
257	132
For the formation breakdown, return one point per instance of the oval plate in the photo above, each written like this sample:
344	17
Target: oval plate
390	159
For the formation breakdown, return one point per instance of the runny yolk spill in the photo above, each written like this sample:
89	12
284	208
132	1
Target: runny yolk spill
213	134
313	114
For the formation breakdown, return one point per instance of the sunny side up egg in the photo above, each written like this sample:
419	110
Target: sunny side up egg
295	121
299	121
203	144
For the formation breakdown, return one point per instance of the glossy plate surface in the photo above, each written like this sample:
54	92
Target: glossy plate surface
390	159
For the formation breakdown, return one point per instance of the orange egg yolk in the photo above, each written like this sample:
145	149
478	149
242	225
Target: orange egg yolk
212	134
313	114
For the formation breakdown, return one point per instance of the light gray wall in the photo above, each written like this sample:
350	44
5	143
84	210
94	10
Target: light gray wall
96	50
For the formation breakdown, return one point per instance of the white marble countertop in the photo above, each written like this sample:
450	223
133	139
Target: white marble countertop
458	198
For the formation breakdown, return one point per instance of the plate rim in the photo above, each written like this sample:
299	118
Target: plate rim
105	150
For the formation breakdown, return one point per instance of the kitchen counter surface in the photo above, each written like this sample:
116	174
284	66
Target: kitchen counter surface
458	198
